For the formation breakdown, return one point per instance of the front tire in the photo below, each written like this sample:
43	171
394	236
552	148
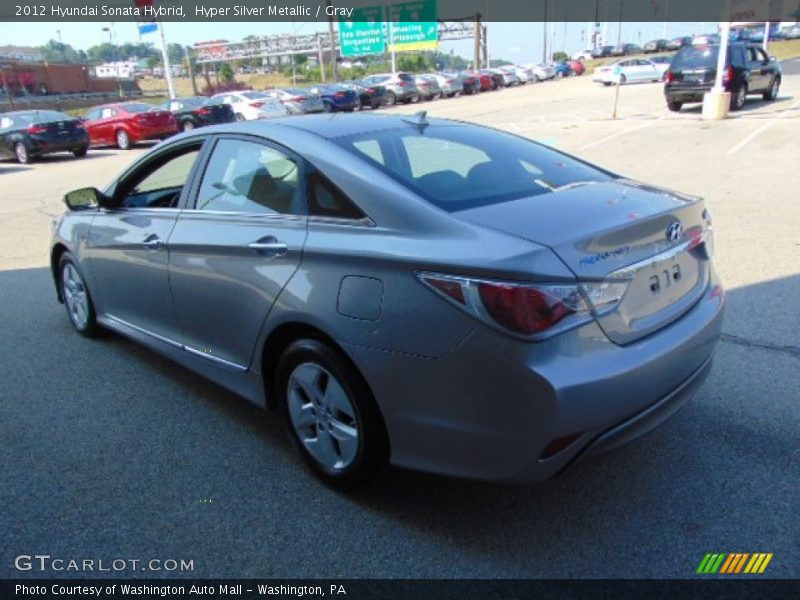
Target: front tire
123	140
77	300
240	117
772	93
80	152
391	98
330	414
187	126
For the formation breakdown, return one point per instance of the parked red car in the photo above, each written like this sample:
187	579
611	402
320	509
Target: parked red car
127	123
487	82
578	68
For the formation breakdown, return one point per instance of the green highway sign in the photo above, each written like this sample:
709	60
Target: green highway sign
363	33
414	25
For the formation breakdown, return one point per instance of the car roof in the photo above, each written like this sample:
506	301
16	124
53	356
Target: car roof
332	126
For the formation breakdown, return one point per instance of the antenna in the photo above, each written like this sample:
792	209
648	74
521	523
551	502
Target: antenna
421	122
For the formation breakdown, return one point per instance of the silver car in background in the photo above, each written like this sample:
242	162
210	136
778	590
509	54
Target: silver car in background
438	295
298	101
449	85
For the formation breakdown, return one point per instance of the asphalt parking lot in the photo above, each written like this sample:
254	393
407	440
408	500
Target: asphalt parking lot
110	451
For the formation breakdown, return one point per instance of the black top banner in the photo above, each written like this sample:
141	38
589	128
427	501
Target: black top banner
359	10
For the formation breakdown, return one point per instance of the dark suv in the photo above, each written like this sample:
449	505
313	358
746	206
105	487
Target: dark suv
748	70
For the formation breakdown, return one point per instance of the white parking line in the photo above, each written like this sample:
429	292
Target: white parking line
614	136
753	135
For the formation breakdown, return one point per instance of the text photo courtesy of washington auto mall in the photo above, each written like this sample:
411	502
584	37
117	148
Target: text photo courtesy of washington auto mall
400	298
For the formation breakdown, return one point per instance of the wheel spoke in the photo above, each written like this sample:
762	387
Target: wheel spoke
307	378
347	439
323	449
302	414
338	403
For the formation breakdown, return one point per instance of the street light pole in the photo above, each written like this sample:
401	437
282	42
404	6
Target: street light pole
165	57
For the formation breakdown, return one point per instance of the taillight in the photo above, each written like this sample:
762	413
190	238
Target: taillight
299	98
728	75
203	111
525	310
450	81
34	129
256	104
530	310
340	94
372	91
402	84
670	76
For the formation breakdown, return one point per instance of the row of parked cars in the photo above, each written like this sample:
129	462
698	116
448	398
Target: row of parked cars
26	135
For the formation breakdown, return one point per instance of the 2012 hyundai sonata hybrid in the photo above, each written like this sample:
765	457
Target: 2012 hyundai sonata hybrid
434	294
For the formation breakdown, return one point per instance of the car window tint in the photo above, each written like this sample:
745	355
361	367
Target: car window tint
160	186
92	114
249	177
458	167
328	201
371	149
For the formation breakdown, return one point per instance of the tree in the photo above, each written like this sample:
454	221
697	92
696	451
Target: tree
56	52
560	56
226	73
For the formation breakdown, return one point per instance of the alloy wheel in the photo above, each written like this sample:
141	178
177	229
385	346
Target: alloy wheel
123	141
75	296
323	416
22	153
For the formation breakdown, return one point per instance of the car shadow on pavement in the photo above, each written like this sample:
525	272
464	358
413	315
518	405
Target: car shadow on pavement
8	168
754	104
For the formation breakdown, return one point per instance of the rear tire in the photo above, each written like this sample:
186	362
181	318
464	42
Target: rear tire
739	97
330	414
80	152
391	98
674	105
772	93
21	152
240	117
187	126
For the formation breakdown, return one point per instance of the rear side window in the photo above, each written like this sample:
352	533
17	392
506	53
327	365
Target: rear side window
327	200
251	178
458	167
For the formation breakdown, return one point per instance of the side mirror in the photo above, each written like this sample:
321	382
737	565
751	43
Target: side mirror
85	198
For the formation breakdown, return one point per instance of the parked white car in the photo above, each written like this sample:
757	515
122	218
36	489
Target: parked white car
582	55
541	71
524	75
630	70
249	105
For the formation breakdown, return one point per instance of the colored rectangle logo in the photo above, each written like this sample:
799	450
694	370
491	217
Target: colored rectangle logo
734	563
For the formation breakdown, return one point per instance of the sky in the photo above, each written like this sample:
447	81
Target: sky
517	42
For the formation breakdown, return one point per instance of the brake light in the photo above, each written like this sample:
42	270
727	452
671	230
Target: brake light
670	76
203	111
299	98
530	310
34	129
340	94
728	75
372	91
401	84
256	104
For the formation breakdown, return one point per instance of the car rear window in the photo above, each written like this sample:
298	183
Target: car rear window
695	57
405	77
458	167
44	116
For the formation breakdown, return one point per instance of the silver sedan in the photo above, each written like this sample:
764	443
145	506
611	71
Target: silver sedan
438	295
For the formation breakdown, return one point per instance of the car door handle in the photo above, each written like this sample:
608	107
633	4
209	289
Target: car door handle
153	242
269	246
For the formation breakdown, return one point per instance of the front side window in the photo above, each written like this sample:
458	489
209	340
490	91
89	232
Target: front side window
458	167
159	185
248	177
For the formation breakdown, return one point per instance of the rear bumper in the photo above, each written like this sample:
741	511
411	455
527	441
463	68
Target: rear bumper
692	93
490	408
38	146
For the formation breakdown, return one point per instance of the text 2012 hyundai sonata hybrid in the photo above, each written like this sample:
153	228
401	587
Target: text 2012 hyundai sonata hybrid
434	294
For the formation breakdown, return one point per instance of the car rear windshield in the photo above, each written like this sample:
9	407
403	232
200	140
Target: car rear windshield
136	107
405	77
44	116
458	167
255	95
696	57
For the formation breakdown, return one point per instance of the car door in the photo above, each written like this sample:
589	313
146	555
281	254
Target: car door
236	246
764	69
91	121
128	247
757	68
649	71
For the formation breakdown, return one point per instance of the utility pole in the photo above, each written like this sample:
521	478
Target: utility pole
190	68
321	58
619	32
165	57
477	55
544	34
332	42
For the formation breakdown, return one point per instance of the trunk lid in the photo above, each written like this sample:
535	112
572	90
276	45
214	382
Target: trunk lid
650	237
